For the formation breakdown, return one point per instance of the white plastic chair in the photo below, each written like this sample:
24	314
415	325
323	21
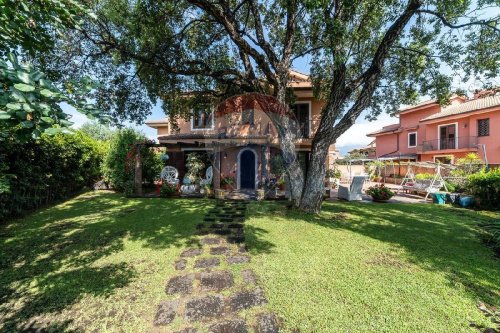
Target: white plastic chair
354	192
208	177
170	175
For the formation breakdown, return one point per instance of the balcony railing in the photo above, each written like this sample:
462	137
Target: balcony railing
462	142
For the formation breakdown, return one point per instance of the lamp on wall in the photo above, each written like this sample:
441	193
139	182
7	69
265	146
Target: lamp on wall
225	154
465	125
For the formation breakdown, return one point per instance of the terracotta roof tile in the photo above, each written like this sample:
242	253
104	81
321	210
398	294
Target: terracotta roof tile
388	128
473	105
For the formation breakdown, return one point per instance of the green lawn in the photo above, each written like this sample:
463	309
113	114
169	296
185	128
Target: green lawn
363	267
95	263
99	262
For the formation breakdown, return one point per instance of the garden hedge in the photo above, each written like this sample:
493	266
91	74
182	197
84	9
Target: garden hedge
52	168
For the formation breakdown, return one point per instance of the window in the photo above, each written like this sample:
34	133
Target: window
483	127
247	116
412	139
202	118
301	111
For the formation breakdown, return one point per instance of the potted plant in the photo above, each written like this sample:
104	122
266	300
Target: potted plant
227	182
281	184
168	190
380	193
333	175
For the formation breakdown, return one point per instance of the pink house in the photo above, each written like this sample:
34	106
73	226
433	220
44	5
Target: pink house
429	132
239	136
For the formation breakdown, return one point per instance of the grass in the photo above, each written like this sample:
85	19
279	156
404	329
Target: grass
99	263
360	267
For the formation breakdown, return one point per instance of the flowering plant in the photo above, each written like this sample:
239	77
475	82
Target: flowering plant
168	190
380	192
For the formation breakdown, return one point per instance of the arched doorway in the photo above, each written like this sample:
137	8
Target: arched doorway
247	165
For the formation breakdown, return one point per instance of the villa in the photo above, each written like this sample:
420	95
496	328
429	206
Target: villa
429	132
240	135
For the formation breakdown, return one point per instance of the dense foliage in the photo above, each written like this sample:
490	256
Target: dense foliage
168	190
119	162
365	56
30	104
485	185
97	130
30	99
39	172
195	166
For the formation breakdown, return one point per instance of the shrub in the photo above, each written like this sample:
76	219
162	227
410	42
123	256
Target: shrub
40	172
380	192
424	176
467	165
332	173
486	186
168	190
120	160
450	186
277	166
195	166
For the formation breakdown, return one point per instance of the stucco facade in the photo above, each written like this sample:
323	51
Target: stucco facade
240	131
444	133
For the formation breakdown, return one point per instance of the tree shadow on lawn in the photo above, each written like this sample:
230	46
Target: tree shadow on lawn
434	238
49	260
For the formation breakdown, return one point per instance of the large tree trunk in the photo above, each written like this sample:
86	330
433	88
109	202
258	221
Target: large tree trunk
295	175
287	132
312	194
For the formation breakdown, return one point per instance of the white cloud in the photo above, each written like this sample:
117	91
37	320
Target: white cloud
356	135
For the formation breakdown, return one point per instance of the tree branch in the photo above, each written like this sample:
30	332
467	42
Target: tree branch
458	26
230	25
371	76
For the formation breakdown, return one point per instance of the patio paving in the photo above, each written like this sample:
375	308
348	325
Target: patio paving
400	197
208	293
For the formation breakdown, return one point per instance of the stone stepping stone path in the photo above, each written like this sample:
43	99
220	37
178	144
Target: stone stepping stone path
213	291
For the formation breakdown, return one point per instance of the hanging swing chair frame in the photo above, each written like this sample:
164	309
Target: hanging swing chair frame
437	182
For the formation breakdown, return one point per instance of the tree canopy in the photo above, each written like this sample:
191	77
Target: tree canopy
369	55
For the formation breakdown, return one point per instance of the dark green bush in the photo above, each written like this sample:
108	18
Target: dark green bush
39	172
168	190
485	185
119	161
